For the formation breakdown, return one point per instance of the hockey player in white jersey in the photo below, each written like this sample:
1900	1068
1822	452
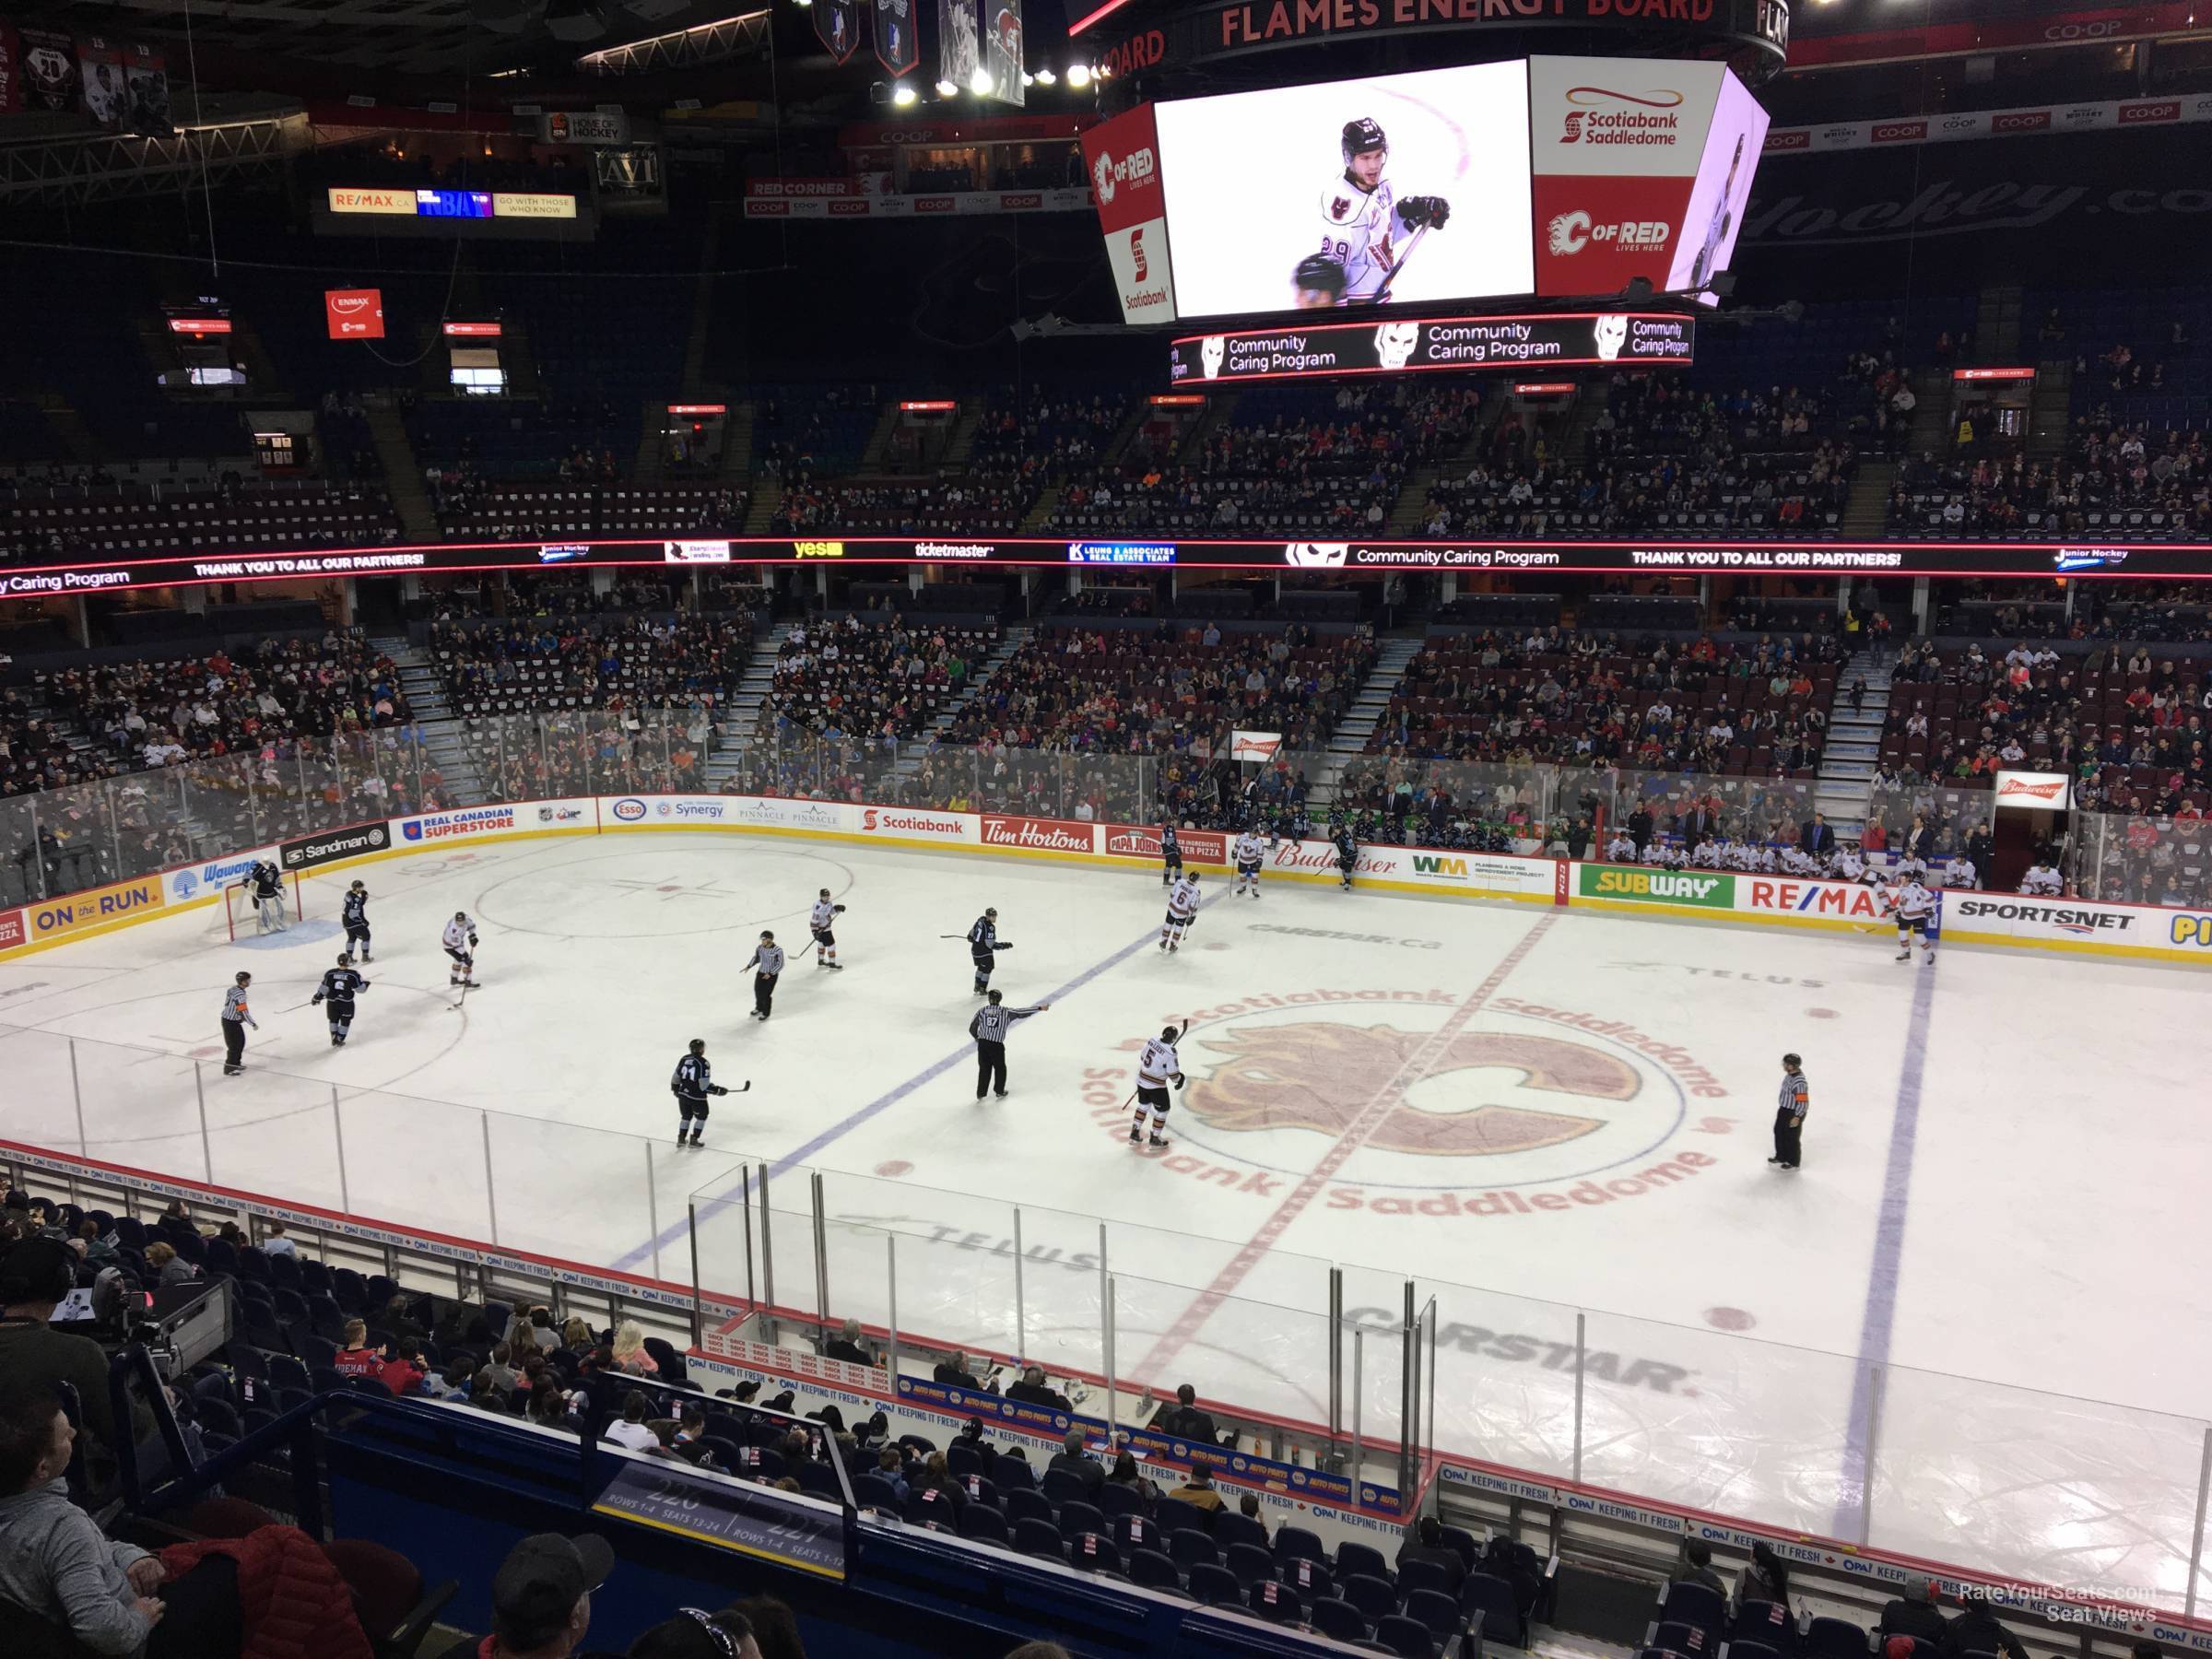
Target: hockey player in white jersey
1916	908
1364	222
1847	864
825	939
2042	881
460	943
1157	1066
1182	904
1248	851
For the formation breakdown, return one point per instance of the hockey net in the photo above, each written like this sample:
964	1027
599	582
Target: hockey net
240	918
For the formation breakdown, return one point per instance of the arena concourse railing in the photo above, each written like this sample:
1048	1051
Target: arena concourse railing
2045	1488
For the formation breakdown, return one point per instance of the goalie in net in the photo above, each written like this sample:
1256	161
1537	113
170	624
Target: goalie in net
266	902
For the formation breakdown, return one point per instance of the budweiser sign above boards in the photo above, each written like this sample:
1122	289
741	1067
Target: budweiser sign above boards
2033	792
1122	157
1036	834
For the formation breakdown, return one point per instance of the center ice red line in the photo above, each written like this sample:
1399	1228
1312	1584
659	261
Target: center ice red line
1364	1122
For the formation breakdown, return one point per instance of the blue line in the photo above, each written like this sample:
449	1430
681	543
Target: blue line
1880	1318
884	1102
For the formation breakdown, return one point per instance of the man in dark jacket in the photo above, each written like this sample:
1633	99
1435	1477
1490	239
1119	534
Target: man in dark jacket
1976	1630
1639	828
1697	1569
953	1373
1184	1419
1428	1545
1982	851
1914	1613
1697	825
1032	1390
1078	1461
1816	836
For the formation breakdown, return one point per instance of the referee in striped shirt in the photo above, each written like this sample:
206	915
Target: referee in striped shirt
768	962
989	1028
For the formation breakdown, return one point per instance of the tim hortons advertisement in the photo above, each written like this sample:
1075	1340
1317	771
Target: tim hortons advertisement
1037	835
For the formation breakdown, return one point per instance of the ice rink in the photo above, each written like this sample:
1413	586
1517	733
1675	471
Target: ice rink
1535	1114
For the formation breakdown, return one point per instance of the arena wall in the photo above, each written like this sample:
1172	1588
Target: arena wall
2126	932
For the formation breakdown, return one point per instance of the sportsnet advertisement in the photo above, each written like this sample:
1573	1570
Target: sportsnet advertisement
1390	189
1639	168
1122	157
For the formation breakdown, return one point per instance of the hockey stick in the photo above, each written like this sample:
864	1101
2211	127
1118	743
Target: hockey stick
1413	242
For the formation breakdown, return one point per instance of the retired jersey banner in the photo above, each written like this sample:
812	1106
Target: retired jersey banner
898	40
49	71
146	78
837	25
11	71
105	93
1001	50
960	43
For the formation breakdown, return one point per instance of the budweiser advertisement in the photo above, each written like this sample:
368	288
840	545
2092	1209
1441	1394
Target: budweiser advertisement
2031	792
354	313
1254	745
1639	168
1122	157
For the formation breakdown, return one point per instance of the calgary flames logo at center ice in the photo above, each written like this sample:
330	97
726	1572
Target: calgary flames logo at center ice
1519	1108
1320	1077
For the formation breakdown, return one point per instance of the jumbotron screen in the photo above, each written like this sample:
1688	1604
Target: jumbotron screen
1563	177
1391	189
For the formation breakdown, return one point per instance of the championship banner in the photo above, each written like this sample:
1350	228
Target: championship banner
1560	339
49	71
959	48
897	42
105	93
630	176
837	26
146	76
1002	52
11	71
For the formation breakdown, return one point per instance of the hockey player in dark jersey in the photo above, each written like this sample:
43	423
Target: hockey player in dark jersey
267	882
1170	853
692	1083
354	912
983	944
340	985
1347	855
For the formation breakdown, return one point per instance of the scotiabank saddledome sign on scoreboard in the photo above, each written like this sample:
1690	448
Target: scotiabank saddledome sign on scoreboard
2165	560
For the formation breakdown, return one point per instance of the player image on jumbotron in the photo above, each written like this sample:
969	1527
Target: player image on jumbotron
1413	187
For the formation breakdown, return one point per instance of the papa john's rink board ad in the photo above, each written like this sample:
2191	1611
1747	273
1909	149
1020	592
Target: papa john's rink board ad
2132	931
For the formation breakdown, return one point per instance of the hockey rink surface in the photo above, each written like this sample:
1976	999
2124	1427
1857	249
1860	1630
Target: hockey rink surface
1532	1111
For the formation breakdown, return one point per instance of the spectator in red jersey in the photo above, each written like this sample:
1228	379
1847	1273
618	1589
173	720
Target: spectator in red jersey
355	1357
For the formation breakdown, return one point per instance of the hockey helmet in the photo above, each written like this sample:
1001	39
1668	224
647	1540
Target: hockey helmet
1317	273
1365	134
